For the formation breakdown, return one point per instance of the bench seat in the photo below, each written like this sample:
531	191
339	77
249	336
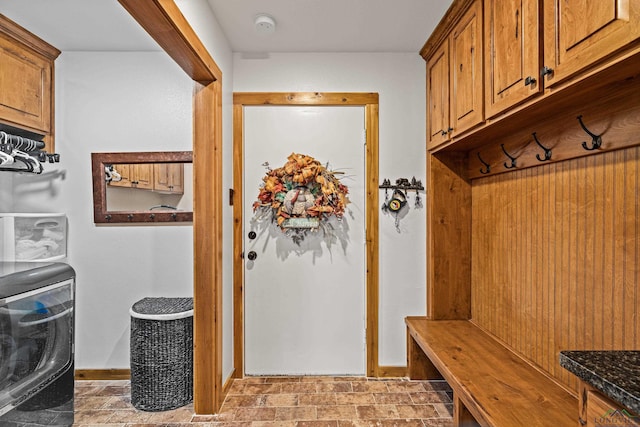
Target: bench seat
492	386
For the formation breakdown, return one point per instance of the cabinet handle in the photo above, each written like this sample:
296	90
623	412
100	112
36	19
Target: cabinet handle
546	71
445	132
529	81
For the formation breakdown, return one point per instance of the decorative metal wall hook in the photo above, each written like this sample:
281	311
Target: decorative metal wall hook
513	159
596	140
487	166
547	151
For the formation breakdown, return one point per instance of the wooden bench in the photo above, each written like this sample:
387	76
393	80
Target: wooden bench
492	386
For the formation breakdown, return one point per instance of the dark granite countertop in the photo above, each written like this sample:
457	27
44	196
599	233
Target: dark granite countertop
615	373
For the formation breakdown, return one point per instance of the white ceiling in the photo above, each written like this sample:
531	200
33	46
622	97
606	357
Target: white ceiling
302	25
330	25
81	25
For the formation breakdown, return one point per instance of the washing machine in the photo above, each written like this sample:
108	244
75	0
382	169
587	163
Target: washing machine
37	311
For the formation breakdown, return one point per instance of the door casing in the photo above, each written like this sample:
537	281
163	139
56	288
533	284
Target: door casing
370	102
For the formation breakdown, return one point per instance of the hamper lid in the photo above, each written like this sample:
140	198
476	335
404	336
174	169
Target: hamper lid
162	308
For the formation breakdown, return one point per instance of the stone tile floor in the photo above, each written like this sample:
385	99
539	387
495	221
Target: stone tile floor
283	402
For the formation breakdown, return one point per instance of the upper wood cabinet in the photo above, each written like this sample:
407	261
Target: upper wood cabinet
138	175
438	96
512	53
168	177
579	33
160	177
26	80
488	60
454	79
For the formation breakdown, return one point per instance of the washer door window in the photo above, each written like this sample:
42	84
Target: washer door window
36	341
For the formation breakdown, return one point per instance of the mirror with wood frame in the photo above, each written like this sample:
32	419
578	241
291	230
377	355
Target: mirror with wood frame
142	187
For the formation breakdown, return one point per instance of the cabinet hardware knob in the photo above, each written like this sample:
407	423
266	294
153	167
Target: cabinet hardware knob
252	255
546	71
252	235
529	81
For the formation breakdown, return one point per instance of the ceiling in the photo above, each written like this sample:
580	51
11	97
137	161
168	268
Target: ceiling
302	25
330	25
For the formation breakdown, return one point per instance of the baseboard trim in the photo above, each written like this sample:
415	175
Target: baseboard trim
102	374
392	371
228	383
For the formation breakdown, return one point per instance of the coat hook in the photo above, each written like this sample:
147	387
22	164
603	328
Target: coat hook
487	166
547	151
596	140
513	159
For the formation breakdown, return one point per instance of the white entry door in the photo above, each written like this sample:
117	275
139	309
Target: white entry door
305	303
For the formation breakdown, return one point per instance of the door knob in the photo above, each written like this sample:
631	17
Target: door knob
252	235
252	255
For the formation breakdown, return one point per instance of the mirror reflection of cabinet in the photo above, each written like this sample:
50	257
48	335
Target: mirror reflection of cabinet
160	177
148	187
134	176
168	177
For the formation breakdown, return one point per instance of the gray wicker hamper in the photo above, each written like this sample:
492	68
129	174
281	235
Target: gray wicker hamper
161	353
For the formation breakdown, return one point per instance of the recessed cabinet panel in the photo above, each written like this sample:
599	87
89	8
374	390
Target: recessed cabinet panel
168	177
438	96
512	53
25	87
135	175
142	174
466	71
580	33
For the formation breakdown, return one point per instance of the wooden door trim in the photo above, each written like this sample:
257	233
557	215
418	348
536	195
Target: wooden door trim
370	102
165	23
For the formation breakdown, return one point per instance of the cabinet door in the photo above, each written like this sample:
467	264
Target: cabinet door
579	33
125	174
512	46
25	87
142	176
602	411
438	96
466	71
168	177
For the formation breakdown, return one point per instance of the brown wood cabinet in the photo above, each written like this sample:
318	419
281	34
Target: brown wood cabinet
161	177
509	243
168	177
598	410
26	80
530	50
139	175
512	53
578	33
454	80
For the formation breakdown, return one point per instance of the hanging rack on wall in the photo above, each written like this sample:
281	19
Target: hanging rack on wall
402	184
491	156
21	154
398	200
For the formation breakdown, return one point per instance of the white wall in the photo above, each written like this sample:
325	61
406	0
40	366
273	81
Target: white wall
138	101
399	78
205	24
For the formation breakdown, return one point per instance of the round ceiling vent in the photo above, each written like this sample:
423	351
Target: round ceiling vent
265	24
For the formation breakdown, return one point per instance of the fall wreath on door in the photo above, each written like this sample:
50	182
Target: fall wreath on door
301	196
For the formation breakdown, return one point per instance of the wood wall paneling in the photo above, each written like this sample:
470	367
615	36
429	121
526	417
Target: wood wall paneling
448	237
555	257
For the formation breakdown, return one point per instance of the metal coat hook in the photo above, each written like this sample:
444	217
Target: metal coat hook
513	159
486	165
596	140
547	151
